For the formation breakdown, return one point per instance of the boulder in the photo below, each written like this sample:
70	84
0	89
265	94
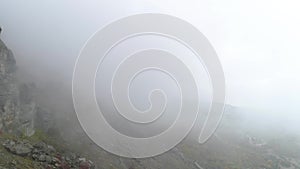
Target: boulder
23	148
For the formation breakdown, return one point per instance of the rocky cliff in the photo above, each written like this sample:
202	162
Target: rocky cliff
24	125
17	106
9	93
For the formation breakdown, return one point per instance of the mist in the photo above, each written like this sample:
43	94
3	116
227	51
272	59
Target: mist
257	43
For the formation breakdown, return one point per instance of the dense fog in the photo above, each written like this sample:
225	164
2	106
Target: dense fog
257	43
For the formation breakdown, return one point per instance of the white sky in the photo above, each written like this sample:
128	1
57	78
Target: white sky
257	41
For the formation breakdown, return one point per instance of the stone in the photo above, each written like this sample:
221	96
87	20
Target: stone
9	108
48	159
42	158
18	148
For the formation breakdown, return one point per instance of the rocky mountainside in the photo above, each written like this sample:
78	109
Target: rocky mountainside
25	140
9	93
24	126
19	111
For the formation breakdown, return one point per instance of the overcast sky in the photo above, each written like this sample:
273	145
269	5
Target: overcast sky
257	41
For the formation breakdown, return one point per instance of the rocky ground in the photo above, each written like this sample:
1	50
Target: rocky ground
33	152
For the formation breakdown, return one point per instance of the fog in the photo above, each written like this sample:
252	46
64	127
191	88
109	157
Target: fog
256	41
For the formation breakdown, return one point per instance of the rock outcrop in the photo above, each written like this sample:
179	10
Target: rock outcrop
9	93
46	155
20	115
18	107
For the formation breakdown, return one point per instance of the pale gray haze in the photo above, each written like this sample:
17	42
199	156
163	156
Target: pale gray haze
257	42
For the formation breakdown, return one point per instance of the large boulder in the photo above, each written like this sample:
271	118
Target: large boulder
21	148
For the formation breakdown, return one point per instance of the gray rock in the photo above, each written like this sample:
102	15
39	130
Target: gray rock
48	159
9	108
17	102
42	158
44	119
18	148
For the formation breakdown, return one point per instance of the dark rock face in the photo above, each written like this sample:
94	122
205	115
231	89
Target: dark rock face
19	111
16	114
9	103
